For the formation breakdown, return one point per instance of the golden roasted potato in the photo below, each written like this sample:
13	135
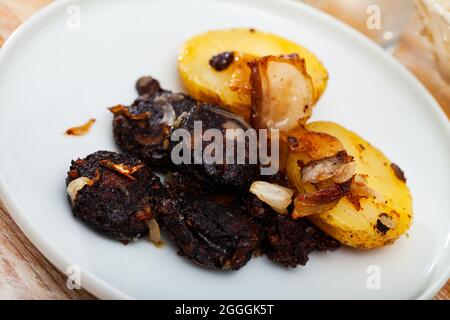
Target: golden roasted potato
371	221
230	87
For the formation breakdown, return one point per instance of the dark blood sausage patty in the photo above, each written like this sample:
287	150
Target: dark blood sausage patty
228	173
290	241
287	241
113	193
143	129
212	229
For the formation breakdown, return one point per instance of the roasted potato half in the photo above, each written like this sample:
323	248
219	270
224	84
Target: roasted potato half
230	87
384	213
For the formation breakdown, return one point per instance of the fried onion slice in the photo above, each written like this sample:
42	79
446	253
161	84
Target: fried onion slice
339	168
121	109
320	201
360	189
81	130
123	169
276	196
282	92
154	233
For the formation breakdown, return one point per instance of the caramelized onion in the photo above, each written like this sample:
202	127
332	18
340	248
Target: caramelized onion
387	221
121	168
169	115
154	234
241	73
81	130
294	174
320	201
319	169
339	168
76	185
282	92
276	196
121	109
360	189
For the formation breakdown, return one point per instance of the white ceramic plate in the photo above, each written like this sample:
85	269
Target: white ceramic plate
53	77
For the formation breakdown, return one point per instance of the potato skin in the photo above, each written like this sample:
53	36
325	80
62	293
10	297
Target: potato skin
218	87
363	228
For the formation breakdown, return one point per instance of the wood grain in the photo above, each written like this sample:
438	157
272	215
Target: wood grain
26	274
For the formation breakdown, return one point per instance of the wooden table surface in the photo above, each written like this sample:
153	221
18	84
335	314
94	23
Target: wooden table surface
26	274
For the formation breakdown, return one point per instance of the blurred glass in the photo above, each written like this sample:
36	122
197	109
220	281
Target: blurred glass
381	20
434	17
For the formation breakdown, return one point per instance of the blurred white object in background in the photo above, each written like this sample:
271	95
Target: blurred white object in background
435	18
381	20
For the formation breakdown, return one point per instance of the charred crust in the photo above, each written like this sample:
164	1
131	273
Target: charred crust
398	172
292	56
256	93
222	61
355	200
380	226
73	174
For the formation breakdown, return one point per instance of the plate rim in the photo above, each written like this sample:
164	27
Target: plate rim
102	289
